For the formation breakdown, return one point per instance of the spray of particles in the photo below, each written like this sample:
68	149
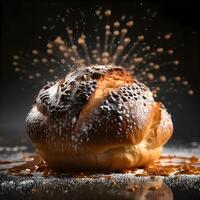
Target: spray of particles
114	43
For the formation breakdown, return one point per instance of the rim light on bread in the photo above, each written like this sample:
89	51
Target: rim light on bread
98	118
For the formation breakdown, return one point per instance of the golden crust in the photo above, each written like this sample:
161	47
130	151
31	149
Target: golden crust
105	122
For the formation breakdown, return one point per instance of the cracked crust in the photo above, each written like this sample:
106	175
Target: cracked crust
98	118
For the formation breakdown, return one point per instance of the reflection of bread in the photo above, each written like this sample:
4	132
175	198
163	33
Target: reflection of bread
152	190
98	117
123	188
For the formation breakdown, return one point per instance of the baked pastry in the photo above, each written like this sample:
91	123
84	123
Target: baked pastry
98	118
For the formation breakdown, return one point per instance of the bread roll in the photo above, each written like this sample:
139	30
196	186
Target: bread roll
98	118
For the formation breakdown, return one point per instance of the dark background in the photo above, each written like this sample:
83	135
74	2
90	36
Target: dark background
21	23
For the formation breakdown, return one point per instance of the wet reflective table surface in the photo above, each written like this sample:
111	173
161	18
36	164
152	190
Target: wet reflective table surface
97	185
